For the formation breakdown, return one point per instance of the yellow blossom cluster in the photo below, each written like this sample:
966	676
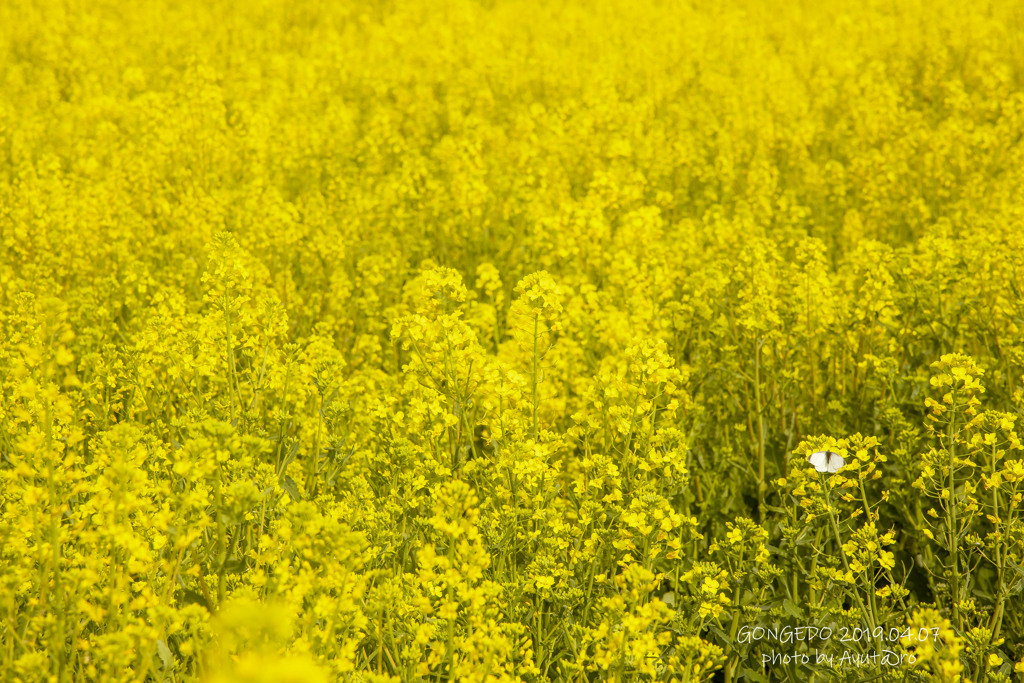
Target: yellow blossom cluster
489	340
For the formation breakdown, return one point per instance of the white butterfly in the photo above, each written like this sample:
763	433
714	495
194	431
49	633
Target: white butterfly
826	461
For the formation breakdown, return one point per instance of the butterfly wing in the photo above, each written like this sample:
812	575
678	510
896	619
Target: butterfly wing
826	461
819	460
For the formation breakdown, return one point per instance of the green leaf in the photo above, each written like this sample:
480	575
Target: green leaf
166	656
791	609
235	565
289	485
192	597
751	675
722	635
292	452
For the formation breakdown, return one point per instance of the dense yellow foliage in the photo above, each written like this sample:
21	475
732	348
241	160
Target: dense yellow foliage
487	341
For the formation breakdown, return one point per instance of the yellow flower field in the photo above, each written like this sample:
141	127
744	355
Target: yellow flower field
454	340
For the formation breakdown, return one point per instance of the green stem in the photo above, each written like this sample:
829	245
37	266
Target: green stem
232	379
761	485
951	522
869	613
221	535
536	430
